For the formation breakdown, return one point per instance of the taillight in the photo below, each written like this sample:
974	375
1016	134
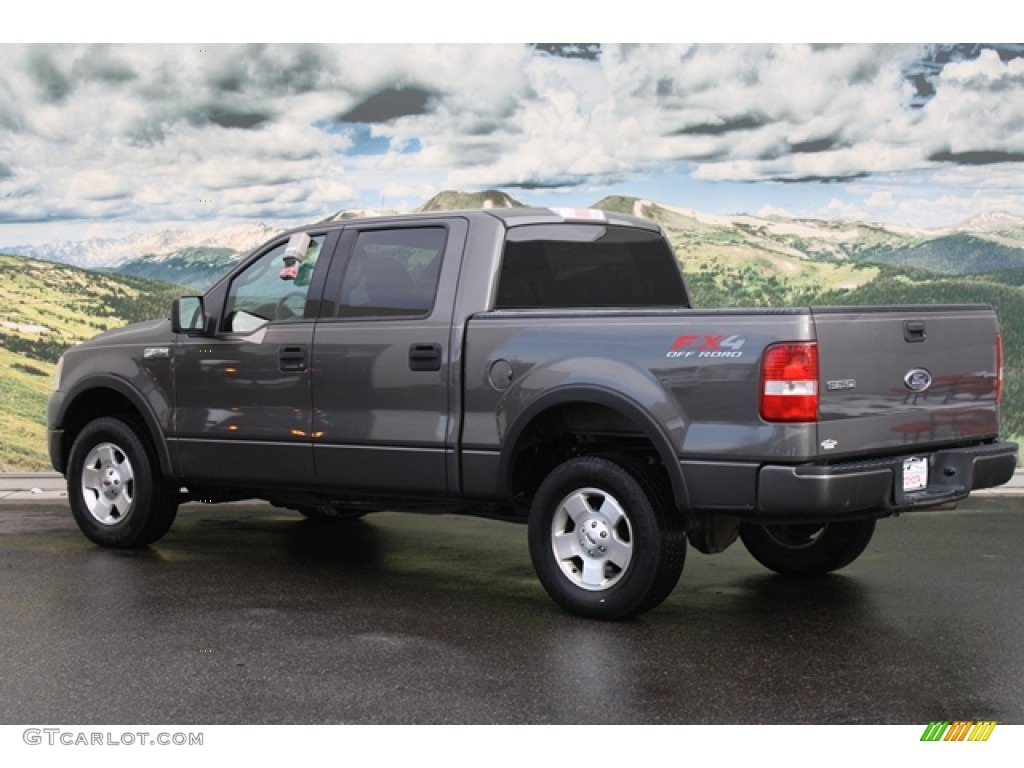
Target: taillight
999	368
789	382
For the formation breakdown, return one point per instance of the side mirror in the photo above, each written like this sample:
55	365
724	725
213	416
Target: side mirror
188	316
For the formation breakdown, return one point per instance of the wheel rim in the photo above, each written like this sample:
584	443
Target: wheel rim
592	539
108	484
795	536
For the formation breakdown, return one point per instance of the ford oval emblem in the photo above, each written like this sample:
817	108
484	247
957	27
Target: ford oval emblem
918	380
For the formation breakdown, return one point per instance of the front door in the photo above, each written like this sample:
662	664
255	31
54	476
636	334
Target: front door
243	410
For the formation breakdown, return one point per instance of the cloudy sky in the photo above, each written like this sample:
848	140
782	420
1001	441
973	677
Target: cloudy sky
105	140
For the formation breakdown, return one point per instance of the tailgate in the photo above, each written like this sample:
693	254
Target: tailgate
898	378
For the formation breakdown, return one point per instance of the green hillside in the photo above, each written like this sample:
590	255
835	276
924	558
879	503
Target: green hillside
44	309
956	254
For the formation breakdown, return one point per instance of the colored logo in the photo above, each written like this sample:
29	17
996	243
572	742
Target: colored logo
707	345
960	730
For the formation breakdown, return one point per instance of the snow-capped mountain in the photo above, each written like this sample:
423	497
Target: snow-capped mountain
985	243
995	222
110	253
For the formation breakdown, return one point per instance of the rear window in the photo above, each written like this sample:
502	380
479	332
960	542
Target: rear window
576	266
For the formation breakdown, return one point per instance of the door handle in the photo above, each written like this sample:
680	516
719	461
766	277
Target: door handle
292	358
425	357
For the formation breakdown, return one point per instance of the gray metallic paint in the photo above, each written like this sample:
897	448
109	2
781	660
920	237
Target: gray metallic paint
232	397
115	361
359	418
882	413
705	409
378	424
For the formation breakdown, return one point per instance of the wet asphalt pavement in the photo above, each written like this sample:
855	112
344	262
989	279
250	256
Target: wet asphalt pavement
247	614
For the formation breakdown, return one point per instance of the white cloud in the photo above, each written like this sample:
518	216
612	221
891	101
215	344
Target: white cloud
879	200
978	107
149	131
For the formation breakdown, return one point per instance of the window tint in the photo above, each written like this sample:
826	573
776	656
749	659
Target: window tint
260	294
588	266
393	272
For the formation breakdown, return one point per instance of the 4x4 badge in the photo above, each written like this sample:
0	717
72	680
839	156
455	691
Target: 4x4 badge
918	380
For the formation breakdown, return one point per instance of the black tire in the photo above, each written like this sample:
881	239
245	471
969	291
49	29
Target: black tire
118	496
807	548
592	502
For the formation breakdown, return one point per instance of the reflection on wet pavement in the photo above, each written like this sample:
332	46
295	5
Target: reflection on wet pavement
248	614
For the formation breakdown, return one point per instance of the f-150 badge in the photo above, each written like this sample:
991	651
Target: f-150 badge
840	384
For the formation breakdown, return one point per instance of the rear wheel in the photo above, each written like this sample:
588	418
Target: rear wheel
117	495
601	539
807	548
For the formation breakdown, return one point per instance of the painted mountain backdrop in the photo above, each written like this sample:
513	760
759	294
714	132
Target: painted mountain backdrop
52	296
984	244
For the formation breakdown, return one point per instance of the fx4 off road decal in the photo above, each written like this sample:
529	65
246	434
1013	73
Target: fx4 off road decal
698	345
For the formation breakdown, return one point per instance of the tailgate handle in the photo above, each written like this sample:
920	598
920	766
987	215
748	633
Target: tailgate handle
914	330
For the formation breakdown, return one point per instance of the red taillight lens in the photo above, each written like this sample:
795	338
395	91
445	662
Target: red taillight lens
789	382
999	368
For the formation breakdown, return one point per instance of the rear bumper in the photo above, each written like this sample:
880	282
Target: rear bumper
838	490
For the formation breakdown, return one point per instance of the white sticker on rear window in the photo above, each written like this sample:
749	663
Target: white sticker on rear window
588	214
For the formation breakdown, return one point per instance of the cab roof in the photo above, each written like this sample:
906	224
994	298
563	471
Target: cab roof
510	217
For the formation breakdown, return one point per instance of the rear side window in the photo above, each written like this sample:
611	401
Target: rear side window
556	267
393	272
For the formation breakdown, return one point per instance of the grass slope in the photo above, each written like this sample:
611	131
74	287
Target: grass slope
44	309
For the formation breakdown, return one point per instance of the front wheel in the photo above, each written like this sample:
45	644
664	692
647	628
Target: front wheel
117	495
807	548
601	539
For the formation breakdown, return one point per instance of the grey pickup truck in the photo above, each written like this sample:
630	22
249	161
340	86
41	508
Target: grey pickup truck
533	365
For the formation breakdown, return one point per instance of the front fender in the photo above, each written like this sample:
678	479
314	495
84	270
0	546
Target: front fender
87	399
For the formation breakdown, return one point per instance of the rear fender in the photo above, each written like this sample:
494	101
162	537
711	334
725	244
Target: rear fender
647	406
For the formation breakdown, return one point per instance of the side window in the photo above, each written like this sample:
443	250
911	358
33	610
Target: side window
393	272
266	291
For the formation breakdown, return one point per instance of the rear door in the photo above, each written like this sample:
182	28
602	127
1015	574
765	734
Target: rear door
383	363
895	378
